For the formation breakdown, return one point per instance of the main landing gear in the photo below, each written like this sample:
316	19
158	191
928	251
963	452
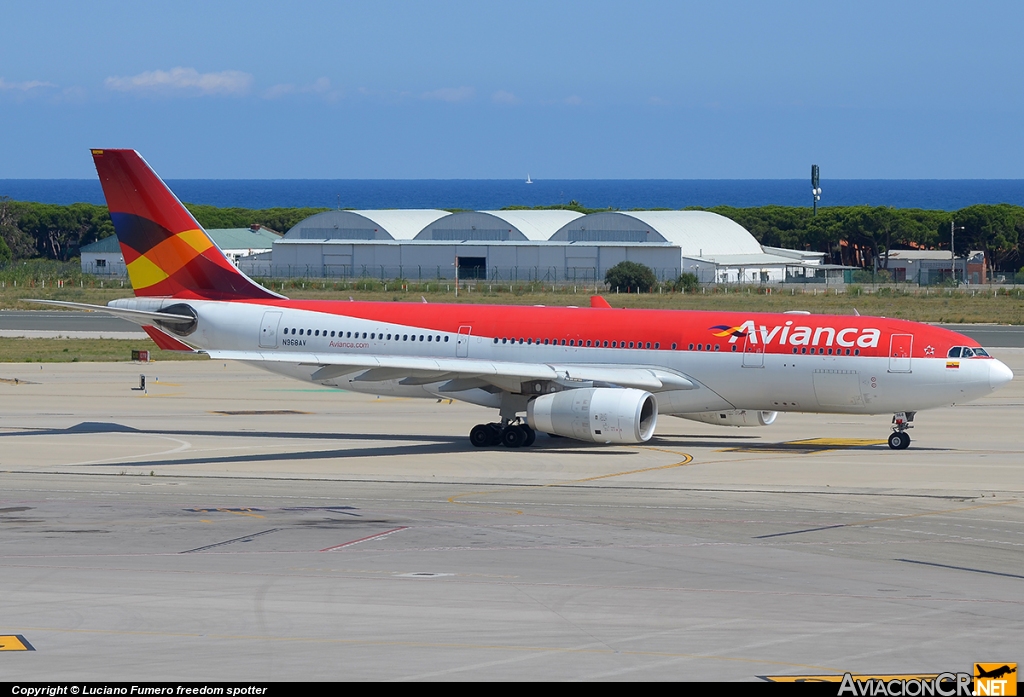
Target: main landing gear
900	439
511	435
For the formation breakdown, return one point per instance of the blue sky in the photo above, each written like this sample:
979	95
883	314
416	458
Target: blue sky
590	90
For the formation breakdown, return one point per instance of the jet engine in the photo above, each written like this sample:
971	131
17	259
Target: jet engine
599	415
738	417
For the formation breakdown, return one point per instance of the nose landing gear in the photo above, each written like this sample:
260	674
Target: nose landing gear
511	435
900	439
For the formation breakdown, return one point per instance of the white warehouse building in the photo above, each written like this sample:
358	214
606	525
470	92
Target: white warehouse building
553	246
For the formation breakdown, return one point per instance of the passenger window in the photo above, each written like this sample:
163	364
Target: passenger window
631	344
446	340
657	344
691	347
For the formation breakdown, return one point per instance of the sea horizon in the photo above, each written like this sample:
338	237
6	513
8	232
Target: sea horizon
489	194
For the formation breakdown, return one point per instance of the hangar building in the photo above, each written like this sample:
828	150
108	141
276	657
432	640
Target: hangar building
551	246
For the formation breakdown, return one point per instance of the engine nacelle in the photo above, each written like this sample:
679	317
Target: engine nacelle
738	417
598	414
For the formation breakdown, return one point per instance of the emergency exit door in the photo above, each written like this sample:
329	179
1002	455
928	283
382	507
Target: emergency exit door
900	348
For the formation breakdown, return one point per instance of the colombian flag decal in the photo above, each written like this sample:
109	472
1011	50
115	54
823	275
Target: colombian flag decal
952	364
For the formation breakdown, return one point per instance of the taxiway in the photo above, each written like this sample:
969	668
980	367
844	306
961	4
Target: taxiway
230	524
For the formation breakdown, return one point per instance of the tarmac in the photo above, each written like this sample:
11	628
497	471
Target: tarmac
229	524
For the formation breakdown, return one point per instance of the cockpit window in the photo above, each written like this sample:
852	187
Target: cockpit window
968	353
978	351
954	352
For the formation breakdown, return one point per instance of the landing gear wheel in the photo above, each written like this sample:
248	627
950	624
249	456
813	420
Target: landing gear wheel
899	440
531	436
495	434
513	437
481	436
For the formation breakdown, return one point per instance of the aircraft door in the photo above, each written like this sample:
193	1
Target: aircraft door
900	348
753	353
462	342
268	329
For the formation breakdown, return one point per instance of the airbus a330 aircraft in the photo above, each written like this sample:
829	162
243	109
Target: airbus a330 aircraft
594	374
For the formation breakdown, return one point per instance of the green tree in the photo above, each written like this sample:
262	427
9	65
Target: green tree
996	230
279	219
687	283
629	276
19	244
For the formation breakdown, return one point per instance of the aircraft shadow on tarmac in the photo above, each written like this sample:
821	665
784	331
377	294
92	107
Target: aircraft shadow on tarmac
429	445
411	445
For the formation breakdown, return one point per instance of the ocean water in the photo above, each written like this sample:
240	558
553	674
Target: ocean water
487	194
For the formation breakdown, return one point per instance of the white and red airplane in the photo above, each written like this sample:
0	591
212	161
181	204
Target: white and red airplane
595	374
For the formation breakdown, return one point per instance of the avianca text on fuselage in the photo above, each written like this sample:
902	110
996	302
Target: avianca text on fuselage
793	334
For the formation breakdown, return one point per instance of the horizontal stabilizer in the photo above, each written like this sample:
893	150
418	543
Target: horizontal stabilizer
140	317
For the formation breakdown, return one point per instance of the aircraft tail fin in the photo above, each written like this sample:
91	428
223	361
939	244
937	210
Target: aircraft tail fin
166	250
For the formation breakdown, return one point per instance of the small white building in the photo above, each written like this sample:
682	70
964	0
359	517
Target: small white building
930	266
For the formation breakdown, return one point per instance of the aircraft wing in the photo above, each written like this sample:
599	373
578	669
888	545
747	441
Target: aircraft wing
506	375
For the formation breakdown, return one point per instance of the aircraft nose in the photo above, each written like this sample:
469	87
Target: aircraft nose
999	374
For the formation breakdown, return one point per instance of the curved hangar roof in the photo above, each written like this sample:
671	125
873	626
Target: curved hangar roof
498	226
365	225
696	233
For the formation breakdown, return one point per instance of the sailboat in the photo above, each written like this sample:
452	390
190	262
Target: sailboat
528	180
